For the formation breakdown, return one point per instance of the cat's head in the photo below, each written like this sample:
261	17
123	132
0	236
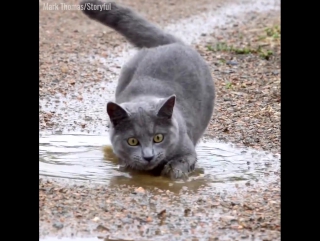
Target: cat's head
143	133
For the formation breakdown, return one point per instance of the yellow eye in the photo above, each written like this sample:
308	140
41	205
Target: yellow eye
158	138
133	141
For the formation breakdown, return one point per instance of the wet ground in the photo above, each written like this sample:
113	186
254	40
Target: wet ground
234	193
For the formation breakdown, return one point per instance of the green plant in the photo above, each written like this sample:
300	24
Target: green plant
228	85
273	32
265	54
209	47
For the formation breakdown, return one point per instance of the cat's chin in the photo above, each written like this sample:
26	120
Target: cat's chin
150	167
147	166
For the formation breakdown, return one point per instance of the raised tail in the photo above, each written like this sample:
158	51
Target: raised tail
124	20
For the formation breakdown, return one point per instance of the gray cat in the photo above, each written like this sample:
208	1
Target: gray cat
164	98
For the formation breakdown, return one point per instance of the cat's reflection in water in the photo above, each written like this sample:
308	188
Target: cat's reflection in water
147	180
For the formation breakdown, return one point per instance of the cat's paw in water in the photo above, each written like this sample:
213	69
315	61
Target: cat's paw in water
174	173
179	169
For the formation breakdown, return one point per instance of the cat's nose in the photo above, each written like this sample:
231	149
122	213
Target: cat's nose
148	158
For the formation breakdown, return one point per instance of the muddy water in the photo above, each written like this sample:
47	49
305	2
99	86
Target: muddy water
90	158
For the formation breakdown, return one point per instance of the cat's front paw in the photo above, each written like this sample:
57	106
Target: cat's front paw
173	172
179	168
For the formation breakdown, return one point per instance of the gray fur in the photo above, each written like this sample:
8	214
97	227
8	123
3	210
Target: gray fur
134	27
165	88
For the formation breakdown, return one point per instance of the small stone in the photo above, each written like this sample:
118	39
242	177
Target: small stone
162	214
72	82
139	190
187	211
215	204
276	72
101	228
64	69
58	225
228	218
233	63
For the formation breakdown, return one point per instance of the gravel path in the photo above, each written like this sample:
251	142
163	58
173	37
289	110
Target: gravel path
131	213
248	86
247	114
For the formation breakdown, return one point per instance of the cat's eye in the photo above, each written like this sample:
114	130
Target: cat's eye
133	141
158	138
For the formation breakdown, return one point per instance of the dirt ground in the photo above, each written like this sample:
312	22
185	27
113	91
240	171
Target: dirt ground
247	110
245	61
133	213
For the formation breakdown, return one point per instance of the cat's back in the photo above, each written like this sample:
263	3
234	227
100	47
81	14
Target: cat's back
169	69
168	61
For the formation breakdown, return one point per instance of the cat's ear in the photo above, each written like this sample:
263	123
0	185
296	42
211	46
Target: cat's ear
116	113
166	108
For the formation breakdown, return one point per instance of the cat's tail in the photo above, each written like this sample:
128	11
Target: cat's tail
135	28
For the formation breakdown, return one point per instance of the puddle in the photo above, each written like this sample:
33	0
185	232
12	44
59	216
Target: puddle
90	158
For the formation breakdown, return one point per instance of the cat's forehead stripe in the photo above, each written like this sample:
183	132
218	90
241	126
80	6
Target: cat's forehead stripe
143	123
